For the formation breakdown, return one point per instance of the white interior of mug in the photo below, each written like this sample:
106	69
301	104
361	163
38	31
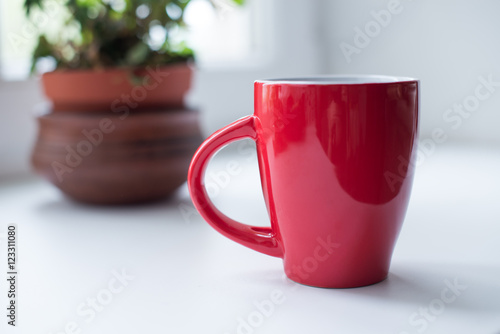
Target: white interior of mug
338	80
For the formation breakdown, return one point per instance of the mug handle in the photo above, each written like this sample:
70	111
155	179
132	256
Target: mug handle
261	239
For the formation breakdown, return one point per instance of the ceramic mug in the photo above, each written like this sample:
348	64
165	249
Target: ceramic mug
335	157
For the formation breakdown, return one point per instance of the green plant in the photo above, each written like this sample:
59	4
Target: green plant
110	33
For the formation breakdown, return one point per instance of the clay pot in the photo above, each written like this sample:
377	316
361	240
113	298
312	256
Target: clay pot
117	136
107	158
109	89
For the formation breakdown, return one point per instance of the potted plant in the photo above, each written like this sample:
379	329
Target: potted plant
117	131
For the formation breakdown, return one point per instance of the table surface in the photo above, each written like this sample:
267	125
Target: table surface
159	268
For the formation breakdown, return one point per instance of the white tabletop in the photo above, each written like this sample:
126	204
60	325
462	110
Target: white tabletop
160	268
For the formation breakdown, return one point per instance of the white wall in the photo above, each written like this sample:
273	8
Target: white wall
447	44
18	102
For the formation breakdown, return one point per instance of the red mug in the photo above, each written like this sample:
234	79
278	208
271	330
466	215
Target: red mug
335	157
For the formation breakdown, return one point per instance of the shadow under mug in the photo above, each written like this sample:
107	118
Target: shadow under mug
336	157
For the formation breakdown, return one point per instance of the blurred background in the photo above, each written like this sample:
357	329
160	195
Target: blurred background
450	45
189	279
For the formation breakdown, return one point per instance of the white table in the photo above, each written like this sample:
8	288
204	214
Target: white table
186	278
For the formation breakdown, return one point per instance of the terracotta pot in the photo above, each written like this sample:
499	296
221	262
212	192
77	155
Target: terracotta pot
113	89
105	158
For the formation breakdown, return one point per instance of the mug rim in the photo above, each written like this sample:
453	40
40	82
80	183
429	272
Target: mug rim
339	79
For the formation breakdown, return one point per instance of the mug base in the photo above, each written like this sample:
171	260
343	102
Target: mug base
340	284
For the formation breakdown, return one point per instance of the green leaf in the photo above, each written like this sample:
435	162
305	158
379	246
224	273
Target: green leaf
137	54
42	49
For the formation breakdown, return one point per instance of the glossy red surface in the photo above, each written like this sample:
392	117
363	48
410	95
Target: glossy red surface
336	168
